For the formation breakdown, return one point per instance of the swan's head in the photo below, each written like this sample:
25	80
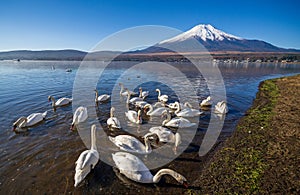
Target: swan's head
49	98
208	98
121	84
157	90
181	179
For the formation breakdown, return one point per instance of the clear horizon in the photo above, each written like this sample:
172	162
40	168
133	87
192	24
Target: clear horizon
80	25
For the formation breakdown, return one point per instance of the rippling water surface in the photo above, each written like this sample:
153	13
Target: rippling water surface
42	159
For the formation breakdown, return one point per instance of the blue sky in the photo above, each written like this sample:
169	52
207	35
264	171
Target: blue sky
71	24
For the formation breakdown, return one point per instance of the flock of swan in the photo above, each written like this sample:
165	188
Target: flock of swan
127	163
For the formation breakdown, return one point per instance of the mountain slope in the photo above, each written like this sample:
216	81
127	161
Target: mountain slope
215	40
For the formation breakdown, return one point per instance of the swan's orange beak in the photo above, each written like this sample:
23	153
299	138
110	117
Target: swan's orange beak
185	183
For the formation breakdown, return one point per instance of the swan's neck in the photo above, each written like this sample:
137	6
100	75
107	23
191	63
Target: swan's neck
158	93
148	146
128	97
93	138
167	120
177	139
141	95
111	112
139	118
150	109
178	108
160	173
96	98
122	89
53	101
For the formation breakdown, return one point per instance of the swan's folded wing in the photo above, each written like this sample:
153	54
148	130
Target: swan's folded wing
91	159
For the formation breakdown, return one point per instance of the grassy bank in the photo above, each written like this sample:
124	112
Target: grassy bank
263	154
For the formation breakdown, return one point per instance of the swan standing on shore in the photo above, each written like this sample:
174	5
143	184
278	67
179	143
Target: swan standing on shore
87	159
187	112
131	144
133	168
134	116
156	112
207	102
113	122
125	93
221	107
161	98
101	98
166	135
60	102
28	121
80	116
176	122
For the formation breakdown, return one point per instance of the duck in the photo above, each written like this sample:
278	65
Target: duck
101	98
60	102
179	122
125	93
87	159
161	98
187	112
32	119
113	122
206	102
221	107
131	144
166	135
134	116
132	100
79	116
152	112
143	94
133	168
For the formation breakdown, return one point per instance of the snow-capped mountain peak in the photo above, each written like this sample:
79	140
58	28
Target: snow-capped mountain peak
204	32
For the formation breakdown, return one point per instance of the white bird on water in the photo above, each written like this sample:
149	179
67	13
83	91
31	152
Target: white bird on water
134	116
113	122
60	102
87	160
187	112
152	112
176	122
32	119
133	168
101	98
206	102
221	107
79	116
125	93
161	98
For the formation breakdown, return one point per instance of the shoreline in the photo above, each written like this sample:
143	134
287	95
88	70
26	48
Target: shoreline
262	155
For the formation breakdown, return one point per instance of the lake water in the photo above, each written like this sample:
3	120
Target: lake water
42	159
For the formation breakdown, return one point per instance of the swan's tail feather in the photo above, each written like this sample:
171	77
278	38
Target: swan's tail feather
44	114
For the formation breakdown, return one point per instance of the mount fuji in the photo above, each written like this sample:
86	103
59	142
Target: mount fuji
213	40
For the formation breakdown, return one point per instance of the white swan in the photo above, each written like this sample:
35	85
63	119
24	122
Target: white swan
132	100
134	116
80	116
113	121
206	102
125	93
133	168
156	112
131	144
101	98
87	159
187	112
28	121
140	104
143	94
221	107
162	98
183	106
60	102
166	135
176	122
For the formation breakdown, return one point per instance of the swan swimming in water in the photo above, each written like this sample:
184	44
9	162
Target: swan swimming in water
143	94
133	168
161	98
134	116
183	106
125	93
60	102
113	122
28	121
187	112
156	112
80	116
87	159
207	102
221	107
176	122
101	98
131	144
132	100
165	135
